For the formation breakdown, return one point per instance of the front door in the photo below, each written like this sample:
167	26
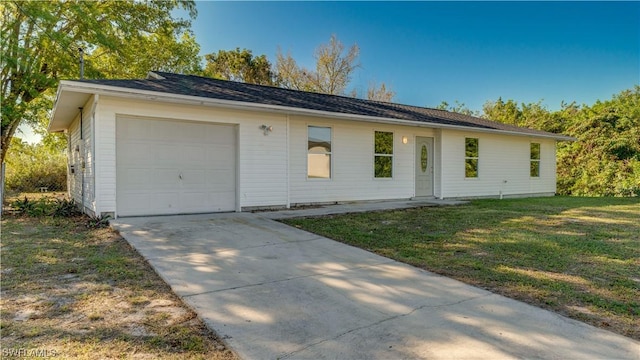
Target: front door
424	166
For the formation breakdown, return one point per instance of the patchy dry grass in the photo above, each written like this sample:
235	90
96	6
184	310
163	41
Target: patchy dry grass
577	256
9	198
76	292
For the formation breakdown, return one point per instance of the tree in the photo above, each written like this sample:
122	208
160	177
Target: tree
40	40
290	76
239	65
459	108
504	112
333	70
32	166
161	51
380	93
605	158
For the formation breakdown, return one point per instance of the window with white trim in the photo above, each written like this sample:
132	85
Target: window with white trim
534	160
383	154
471	156
318	152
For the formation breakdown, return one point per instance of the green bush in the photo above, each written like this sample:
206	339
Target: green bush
30	167
46	206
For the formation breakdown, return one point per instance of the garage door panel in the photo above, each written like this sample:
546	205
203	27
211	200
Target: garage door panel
134	130
164	179
136	153
165	131
195	201
134	203
138	179
221	180
221	157
168	154
194	154
219	135
194	133
165	202
195	179
152	154
221	199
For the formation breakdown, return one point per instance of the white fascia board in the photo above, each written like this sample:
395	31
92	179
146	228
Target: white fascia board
241	105
55	106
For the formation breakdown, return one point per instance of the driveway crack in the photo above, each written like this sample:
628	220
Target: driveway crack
293	353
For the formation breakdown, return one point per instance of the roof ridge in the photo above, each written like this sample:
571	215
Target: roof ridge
269	95
303	91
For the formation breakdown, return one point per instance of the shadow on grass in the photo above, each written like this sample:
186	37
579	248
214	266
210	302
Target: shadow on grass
576	256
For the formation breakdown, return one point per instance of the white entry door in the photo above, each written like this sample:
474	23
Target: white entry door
174	167
424	166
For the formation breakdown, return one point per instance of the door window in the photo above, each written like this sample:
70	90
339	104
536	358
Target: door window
423	158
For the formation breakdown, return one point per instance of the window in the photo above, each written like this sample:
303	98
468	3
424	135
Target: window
471	153
535	160
319	152
383	157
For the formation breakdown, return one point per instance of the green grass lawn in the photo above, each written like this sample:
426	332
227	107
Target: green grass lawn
73	292
576	256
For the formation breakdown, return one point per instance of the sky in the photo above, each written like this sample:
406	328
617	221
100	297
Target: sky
429	52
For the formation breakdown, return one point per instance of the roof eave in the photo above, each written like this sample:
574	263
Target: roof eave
66	107
118	91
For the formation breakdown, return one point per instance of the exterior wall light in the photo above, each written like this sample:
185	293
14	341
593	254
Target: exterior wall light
266	129
405	140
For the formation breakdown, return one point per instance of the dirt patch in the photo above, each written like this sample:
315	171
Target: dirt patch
90	288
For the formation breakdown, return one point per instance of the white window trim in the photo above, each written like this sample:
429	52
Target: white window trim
306	160
392	155
477	158
539	160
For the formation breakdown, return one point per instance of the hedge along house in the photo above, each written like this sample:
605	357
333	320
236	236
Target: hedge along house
177	144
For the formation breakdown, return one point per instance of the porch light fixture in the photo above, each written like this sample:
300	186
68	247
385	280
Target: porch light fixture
405	140
266	129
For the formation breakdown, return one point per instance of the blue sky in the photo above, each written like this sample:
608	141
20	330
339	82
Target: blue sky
434	51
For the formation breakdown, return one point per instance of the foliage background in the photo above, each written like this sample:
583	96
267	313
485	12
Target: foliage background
605	158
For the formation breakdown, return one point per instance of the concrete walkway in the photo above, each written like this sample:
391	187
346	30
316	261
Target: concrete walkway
276	292
357	206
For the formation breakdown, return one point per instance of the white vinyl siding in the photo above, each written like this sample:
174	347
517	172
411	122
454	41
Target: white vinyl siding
352	164
261	158
272	169
81	155
501	166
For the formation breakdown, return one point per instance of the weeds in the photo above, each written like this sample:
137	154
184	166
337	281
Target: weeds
45	206
97	222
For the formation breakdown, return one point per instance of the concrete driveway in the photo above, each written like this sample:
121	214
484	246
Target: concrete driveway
276	292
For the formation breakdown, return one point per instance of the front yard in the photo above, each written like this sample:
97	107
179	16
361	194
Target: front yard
576	256
71	291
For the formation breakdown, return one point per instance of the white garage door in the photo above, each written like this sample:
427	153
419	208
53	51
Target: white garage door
174	167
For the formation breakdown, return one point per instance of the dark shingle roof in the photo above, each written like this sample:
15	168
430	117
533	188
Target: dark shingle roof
235	91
